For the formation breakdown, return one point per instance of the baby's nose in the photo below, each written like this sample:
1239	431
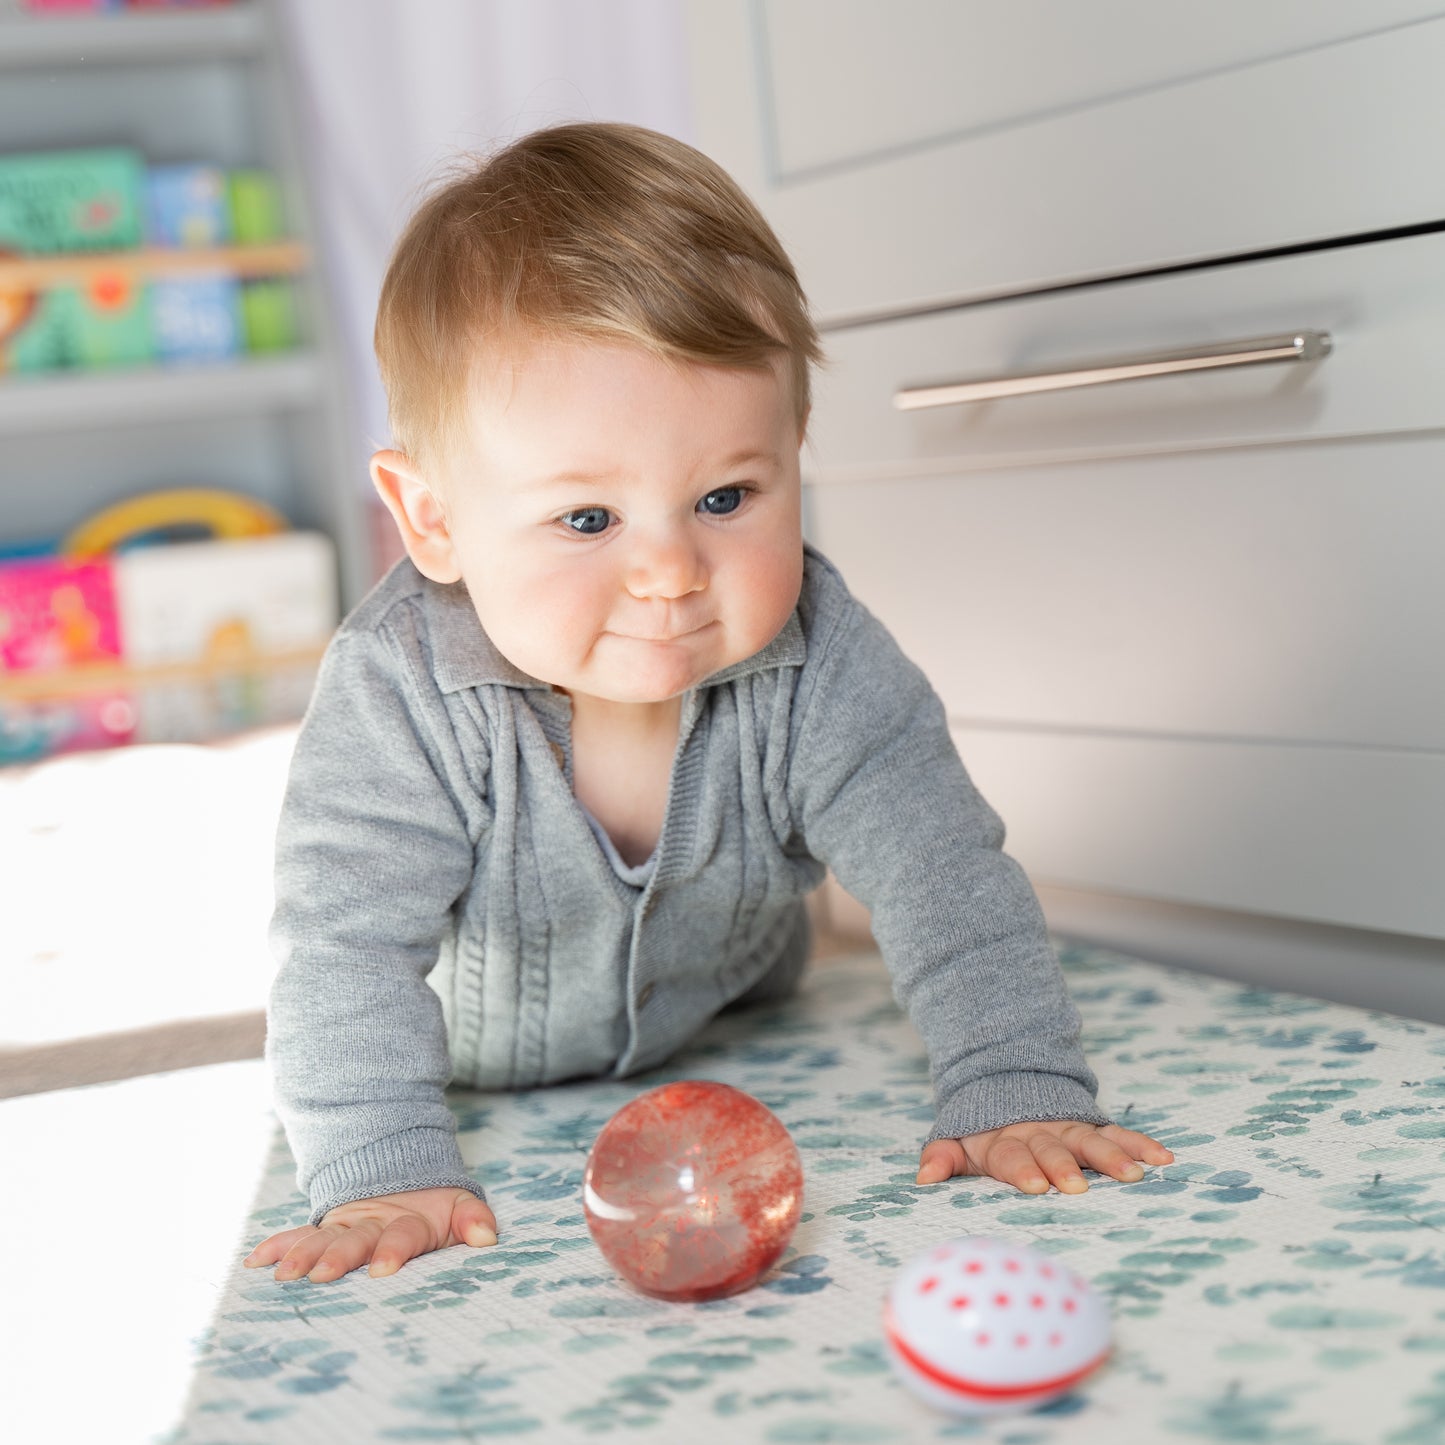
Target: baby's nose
665	568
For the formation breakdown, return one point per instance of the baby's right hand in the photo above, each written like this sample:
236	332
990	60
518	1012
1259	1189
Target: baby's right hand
387	1230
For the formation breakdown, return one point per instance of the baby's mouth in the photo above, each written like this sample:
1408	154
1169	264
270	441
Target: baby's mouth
675	636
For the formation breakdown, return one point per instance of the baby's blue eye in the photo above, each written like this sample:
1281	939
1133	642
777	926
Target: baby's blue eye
722	501
588	521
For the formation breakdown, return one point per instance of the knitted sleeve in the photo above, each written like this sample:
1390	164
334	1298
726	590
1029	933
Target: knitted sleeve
373	850
879	793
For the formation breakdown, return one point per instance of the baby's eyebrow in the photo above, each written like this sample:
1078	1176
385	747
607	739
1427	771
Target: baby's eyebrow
571	479
747	457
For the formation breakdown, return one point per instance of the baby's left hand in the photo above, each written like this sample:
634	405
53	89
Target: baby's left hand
1031	1154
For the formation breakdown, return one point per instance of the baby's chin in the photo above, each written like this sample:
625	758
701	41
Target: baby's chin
624	670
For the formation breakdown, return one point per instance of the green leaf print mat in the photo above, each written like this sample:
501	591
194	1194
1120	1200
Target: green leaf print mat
1282	1281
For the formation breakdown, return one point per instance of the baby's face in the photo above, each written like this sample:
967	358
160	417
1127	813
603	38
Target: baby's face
626	527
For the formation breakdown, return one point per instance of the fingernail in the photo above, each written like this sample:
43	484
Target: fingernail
479	1236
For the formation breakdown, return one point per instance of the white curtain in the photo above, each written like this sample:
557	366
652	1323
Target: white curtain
391	89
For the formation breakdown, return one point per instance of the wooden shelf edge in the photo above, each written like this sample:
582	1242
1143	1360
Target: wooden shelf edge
93	679
39	273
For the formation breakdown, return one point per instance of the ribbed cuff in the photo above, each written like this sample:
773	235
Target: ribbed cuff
415	1159
999	1099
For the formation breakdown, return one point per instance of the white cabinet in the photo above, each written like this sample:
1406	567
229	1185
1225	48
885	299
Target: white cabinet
1247	552
1186	628
1208	678
930	151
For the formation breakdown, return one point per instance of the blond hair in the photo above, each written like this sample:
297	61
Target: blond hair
595	230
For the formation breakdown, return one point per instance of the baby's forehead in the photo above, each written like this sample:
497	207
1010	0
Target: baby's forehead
501	364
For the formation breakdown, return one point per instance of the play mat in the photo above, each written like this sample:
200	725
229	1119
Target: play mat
1282	1281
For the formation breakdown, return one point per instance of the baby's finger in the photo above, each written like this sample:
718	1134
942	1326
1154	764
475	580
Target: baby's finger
1012	1161
1138	1146
348	1251
941	1159
306	1251
274	1246
404	1238
473	1222
1107	1156
1057	1161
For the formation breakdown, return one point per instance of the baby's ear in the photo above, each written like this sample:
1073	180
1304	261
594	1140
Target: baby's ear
418	515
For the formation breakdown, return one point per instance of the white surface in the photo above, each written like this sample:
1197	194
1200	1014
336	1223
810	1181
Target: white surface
142	886
124	1208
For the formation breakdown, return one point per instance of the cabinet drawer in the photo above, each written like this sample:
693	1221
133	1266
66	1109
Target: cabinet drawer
1382	303
1279	594
930	152
1335	835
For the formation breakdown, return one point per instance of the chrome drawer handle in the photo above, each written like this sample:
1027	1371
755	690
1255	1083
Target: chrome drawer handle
1297	346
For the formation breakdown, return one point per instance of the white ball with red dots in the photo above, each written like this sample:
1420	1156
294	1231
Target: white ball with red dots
980	1326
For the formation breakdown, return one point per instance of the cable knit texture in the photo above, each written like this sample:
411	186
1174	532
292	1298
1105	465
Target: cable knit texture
444	911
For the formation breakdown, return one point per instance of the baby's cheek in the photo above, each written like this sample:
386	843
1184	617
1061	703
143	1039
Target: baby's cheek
770	588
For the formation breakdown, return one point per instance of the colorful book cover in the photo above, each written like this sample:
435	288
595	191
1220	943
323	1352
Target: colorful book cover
197	319
105	323
254	199
187	206
64	201
268	312
56	615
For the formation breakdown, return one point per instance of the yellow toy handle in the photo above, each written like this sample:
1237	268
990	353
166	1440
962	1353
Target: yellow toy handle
227	514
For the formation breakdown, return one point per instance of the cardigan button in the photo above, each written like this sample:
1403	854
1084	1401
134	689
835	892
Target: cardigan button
647	991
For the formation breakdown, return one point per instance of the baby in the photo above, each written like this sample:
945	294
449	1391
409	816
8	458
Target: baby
570	770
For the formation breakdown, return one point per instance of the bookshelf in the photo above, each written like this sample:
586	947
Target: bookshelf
207	86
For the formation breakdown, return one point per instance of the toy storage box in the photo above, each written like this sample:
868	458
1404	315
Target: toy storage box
210	638
242	606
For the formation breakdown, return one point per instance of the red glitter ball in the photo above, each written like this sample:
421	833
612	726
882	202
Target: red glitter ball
693	1190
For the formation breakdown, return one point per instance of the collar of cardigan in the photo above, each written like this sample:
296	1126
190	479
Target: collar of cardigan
463	656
